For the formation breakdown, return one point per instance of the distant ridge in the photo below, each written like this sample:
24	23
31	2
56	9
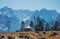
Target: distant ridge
17	16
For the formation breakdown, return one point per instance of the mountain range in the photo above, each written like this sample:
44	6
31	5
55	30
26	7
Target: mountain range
13	18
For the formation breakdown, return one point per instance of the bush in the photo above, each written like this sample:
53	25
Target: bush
54	34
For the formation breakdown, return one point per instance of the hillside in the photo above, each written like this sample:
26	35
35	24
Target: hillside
31	35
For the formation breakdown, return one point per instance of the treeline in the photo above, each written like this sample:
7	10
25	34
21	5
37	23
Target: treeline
39	24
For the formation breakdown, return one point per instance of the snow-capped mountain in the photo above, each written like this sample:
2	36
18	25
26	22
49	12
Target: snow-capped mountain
8	18
47	15
23	14
12	18
15	17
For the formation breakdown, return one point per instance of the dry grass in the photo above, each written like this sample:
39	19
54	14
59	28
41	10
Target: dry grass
34	35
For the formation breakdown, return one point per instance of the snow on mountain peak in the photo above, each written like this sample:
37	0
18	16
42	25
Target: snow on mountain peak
23	15
25	19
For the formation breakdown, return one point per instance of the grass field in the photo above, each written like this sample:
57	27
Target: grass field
31	35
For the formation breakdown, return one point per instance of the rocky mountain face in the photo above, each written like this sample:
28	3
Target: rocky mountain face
11	19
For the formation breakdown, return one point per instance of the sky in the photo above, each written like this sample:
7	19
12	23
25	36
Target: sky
31	4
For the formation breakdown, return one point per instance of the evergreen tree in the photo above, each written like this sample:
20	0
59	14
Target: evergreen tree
56	25
32	25
39	26
47	27
22	26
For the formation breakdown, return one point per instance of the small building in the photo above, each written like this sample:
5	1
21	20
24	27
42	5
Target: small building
27	28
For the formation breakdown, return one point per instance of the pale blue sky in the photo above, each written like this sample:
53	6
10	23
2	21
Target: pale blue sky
31	4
